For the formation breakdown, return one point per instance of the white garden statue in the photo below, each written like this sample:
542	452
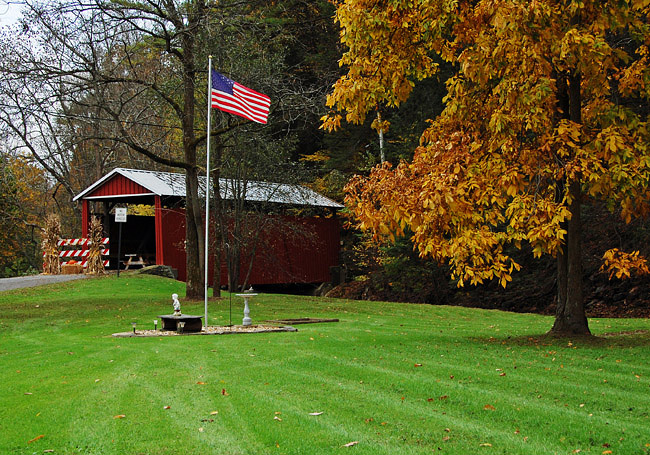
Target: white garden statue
177	305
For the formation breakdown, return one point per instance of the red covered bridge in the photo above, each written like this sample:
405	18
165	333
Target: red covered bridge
296	249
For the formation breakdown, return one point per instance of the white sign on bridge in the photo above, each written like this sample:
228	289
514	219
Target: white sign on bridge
120	214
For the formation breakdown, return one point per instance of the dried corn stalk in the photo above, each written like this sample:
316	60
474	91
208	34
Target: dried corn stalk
95	263
51	236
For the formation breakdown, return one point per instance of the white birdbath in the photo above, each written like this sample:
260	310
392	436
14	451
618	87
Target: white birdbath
247	320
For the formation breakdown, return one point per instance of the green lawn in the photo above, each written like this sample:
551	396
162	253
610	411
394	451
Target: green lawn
396	378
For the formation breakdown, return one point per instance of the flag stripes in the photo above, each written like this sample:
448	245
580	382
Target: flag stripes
234	98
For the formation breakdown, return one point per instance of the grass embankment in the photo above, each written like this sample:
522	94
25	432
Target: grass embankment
396	378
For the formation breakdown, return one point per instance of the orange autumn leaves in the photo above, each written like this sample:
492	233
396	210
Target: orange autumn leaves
429	200
496	168
22	207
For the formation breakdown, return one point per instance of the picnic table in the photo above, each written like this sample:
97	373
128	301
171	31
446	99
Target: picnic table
134	259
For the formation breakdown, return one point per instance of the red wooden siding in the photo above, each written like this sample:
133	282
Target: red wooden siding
290	250
160	258
85	218
118	186
173	240
293	250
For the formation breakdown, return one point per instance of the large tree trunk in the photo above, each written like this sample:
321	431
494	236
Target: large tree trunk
194	288
570	316
217	216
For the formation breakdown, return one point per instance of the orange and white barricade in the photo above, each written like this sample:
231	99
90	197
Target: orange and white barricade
80	252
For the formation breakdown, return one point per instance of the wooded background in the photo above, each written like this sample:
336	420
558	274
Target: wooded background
90	86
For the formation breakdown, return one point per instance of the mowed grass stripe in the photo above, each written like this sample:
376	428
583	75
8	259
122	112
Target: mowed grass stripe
353	371
141	394
388	401
551	410
371	409
558	384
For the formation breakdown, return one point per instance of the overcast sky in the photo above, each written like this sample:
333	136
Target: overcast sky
9	11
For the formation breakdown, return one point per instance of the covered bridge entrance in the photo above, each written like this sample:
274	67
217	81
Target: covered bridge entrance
159	237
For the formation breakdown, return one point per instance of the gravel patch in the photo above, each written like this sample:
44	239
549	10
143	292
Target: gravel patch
212	330
7	284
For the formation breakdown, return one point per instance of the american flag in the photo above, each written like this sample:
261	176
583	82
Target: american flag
229	96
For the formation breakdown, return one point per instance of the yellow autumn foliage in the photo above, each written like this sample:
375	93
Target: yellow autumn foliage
530	124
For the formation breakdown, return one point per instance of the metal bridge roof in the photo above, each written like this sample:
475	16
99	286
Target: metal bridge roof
173	184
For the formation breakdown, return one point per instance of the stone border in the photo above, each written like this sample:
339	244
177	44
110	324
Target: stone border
212	330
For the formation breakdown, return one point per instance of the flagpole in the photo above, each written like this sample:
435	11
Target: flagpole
207	188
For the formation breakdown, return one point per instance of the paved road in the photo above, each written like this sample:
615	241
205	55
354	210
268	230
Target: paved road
7	284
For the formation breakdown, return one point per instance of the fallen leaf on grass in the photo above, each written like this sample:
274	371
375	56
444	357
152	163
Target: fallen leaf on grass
485	444
315	413
48	451
417	365
28	393
606	452
224	393
350	444
119	416
36	438
166	407
214	413
444	397
446	438
277	418
489	407
201	430
201	383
